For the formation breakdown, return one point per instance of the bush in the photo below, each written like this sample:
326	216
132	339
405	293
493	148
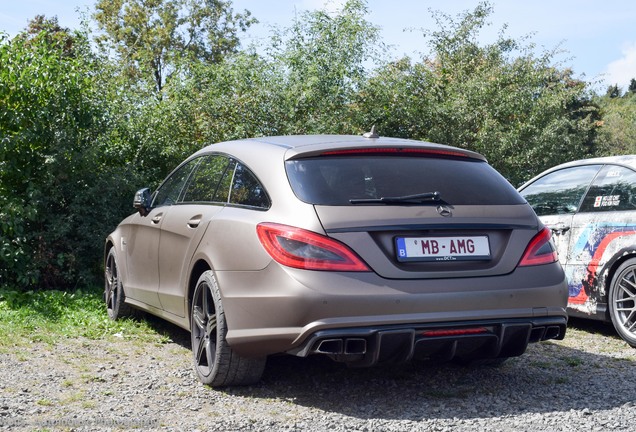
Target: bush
56	188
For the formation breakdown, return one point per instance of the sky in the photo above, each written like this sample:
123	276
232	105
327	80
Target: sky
597	39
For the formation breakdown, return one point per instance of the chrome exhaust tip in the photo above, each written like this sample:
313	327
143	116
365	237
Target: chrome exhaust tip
330	346
355	346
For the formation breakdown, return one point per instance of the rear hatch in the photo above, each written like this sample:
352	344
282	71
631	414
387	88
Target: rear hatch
417	212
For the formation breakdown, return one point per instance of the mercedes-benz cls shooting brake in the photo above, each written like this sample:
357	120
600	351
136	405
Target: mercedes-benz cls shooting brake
369	250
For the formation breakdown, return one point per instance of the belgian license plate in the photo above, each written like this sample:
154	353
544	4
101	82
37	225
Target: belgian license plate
443	248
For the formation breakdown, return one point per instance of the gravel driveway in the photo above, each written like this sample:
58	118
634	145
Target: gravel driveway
585	382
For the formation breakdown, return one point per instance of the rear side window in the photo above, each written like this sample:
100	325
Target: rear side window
207	178
337	179
560	192
613	189
247	190
214	178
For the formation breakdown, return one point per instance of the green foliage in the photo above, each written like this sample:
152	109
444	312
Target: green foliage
501	100
618	126
304	83
80	130
53	187
41	127
239	98
322	58
614	91
155	39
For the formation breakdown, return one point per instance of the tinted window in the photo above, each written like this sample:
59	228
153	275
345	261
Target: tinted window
215	178
613	189
170	190
247	190
336	180
207	179
560	192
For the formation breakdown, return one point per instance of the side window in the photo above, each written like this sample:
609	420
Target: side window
222	193
170	190
613	189
207	178
212	178
247	190
560	192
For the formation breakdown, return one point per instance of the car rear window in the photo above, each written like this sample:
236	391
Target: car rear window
335	180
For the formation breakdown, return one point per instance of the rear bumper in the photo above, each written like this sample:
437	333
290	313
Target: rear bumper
466	340
279	309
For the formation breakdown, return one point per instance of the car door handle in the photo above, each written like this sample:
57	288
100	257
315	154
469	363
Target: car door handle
157	218
195	221
560	228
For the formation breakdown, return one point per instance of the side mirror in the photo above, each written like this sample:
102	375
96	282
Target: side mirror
142	201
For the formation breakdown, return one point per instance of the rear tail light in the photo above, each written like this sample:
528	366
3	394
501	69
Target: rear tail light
540	250
299	248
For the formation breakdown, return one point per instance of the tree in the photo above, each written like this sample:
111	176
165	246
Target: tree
618	126
305	82
614	91
154	39
632	86
43	122
60	186
323	59
241	97
77	135
500	99
48	28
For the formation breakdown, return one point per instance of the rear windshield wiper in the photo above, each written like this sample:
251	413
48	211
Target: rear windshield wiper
417	198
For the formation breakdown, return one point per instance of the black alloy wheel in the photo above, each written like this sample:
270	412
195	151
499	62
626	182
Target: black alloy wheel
215	363
113	291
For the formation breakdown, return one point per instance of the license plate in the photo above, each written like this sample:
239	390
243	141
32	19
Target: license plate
443	248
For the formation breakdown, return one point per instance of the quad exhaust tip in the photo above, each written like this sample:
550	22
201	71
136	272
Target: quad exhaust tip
346	346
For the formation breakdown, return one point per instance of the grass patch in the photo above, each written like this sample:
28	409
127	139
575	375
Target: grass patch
88	404
542	364
48	316
72	398
573	361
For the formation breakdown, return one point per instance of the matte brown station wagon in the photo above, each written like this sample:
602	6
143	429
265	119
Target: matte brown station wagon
366	249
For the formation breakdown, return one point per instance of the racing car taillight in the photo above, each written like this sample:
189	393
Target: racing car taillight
299	248
540	250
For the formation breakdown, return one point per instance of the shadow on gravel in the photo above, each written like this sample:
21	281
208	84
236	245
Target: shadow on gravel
171	331
549	377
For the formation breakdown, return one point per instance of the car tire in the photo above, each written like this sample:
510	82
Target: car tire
215	363
114	296
622	301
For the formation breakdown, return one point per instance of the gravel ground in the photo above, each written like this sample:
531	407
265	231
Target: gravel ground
585	382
